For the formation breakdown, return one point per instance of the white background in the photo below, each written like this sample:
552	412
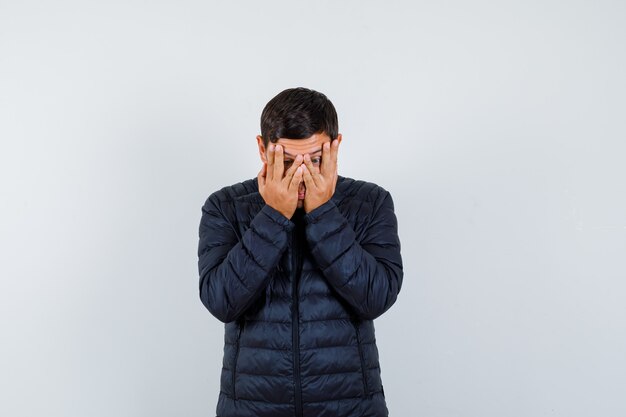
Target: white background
498	127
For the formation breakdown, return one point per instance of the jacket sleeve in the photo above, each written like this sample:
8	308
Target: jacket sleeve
234	273
367	274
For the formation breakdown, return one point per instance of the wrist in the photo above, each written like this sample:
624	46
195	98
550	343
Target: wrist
283	212
314	215
277	214
312	206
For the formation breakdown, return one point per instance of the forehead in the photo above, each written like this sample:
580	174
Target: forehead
309	145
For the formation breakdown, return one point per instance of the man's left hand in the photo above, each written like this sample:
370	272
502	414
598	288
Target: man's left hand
320	186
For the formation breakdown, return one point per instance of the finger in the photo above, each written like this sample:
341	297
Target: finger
334	150
326	159
311	169
308	178
279	166
292	169
270	161
296	179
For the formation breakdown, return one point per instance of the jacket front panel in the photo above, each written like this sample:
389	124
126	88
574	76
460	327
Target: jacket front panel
298	298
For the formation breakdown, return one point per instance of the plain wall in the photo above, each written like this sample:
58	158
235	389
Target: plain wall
498	127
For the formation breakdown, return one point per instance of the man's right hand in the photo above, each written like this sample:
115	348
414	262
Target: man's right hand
280	192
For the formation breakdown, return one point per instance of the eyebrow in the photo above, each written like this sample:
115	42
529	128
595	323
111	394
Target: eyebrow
293	156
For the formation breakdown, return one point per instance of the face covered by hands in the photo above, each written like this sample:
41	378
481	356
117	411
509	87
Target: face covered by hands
287	160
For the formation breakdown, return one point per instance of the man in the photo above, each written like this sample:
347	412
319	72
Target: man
297	263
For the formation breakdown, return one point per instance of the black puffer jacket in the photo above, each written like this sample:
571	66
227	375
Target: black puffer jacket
298	298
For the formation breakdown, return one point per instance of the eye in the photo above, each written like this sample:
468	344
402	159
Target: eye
316	159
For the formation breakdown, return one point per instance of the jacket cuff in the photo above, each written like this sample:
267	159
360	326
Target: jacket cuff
317	213
278	217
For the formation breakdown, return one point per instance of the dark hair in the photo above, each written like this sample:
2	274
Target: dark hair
298	113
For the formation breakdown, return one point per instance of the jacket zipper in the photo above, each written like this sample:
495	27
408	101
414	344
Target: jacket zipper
361	356
236	357
296	265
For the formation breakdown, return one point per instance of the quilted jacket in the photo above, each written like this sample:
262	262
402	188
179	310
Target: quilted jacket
298	298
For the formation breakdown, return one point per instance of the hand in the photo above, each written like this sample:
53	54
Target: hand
281	193
320	186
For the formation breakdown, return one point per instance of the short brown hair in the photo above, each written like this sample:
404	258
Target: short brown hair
298	113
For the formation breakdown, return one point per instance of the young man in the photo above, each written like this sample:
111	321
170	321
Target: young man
297	263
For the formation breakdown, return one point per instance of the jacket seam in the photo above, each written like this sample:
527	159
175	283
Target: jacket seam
289	349
245	248
304	402
328	235
217	203
343	284
248	399
261	374
268	321
363	367
327	319
333	373
304	376
230	263
342	399
262	236
331	263
237	349
309	348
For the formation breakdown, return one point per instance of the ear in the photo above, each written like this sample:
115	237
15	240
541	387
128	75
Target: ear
338	138
259	140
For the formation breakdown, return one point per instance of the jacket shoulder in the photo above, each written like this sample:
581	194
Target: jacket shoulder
363	191
229	193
